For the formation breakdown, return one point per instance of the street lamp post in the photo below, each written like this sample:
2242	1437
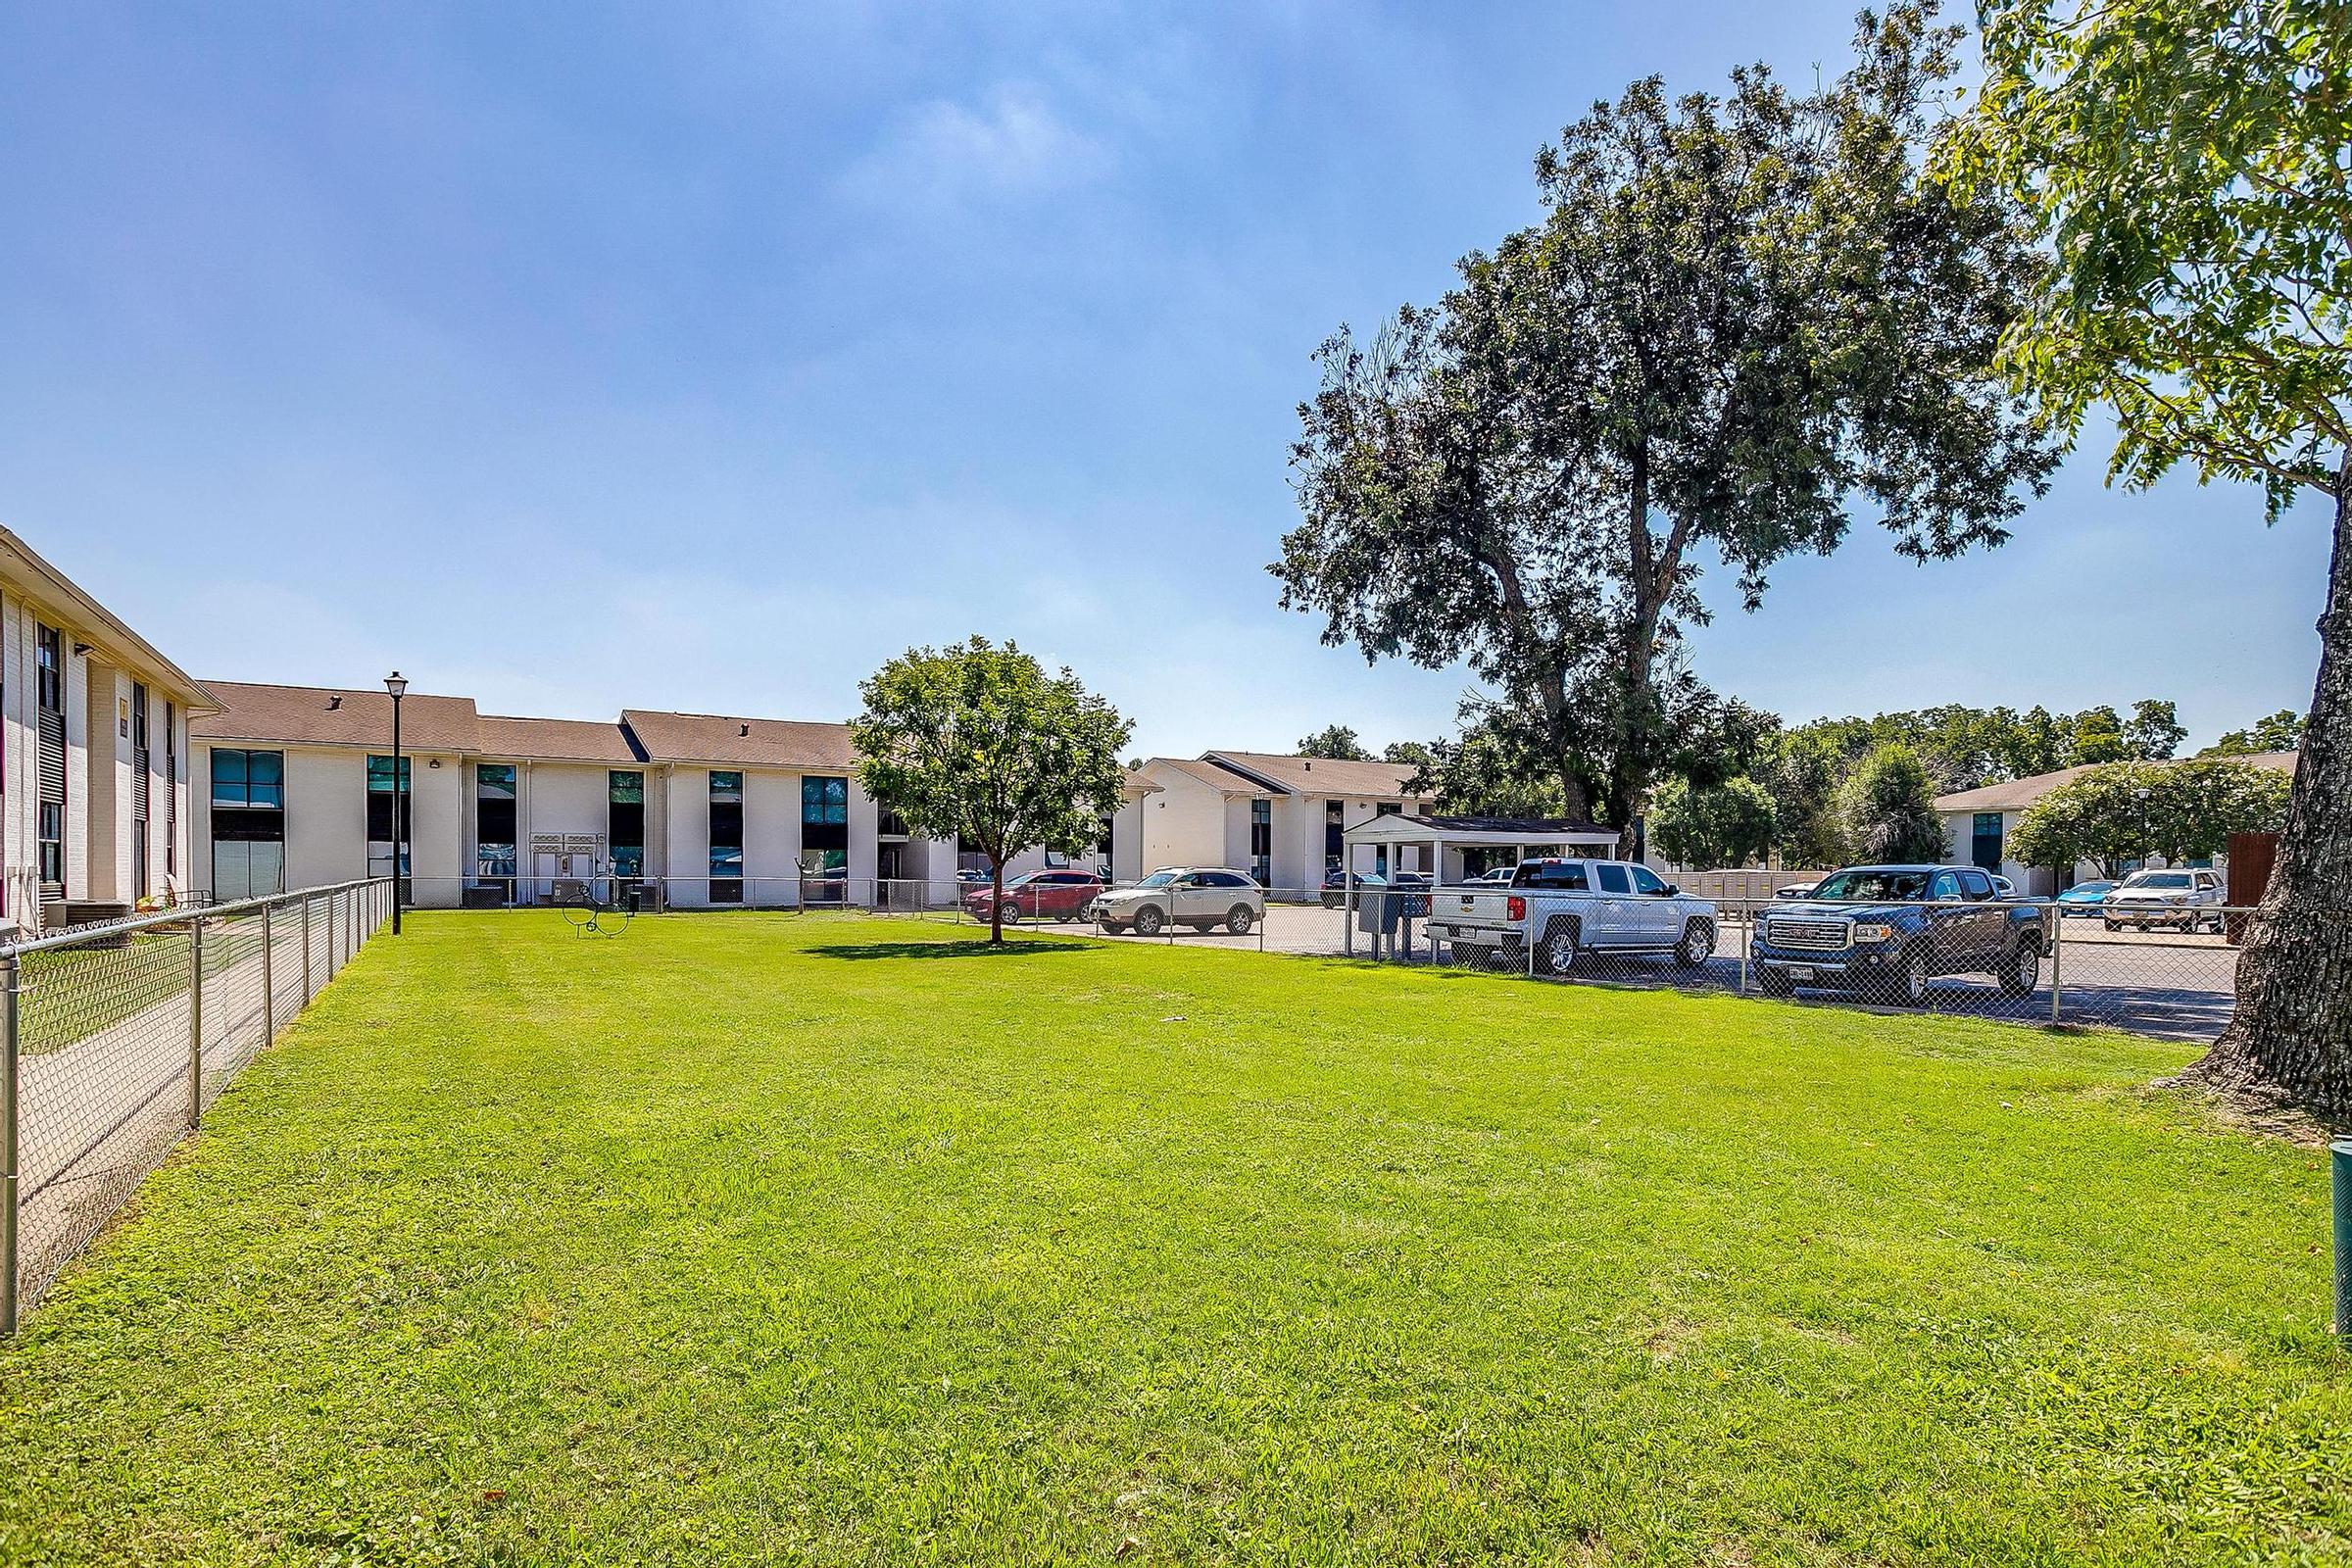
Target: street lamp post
398	685
2142	795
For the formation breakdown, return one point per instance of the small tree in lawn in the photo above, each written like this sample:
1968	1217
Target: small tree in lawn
1890	809
978	743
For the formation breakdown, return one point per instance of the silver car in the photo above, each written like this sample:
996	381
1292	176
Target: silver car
1204	898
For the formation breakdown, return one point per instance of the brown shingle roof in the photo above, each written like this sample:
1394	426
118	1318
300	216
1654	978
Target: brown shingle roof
752	742
1210	775
318	716
555	740
2016	794
1321	775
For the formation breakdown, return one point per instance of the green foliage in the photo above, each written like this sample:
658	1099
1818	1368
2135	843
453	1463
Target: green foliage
1338	743
1729	824
2154	732
2188	811
1890	810
758	1240
2099	738
2184	161
979	743
1408	753
1494	766
2281	732
1744	321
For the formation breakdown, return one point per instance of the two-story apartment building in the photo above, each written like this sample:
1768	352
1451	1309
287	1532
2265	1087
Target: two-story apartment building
1283	819
713	810
94	753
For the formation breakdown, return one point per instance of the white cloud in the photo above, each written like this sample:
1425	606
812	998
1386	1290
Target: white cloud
1012	143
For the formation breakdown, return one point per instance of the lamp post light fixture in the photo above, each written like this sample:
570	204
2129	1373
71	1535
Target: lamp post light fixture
398	685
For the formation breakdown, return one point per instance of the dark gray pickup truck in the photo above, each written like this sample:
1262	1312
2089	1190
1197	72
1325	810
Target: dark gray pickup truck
1885	931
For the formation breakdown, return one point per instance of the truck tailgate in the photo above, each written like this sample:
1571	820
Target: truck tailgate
1484	914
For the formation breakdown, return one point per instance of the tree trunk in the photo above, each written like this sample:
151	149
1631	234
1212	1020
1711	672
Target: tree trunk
996	900
2292	1034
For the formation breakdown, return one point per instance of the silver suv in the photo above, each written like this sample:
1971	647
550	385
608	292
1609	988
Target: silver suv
2188	897
1204	898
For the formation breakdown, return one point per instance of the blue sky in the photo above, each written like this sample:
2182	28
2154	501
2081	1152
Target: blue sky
704	356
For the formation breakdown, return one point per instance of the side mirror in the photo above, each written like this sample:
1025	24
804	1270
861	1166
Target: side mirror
1673	890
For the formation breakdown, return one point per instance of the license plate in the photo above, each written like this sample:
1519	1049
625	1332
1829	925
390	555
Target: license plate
1801	973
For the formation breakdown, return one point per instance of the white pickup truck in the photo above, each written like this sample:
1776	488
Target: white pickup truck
1565	907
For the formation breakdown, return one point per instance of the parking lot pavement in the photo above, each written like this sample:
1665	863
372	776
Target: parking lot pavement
2166	984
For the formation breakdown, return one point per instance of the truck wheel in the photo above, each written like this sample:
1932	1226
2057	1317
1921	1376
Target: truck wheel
1556	952
1911	981
1238	919
2020	971
1148	919
1698	945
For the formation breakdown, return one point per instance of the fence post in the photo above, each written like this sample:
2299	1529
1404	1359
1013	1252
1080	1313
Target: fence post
307	992
195	1022
268	977
1747	937
2057	947
2339	1158
7	1143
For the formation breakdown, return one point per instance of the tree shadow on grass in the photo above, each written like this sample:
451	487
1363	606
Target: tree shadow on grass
977	947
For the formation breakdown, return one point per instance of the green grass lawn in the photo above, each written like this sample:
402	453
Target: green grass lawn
749	1240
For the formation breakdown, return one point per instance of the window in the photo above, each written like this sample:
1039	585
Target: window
254	779
824	801
249	823
49	659
170	789
1261	841
1612	878
51	852
390	825
49	842
824	823
1984	840
1944	889
726	838
1564	876
625	820
1646	881
494	813
1226	879
1335	832
1976	884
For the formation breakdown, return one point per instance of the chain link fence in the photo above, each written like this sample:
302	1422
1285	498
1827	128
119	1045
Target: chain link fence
2171	971
117	1038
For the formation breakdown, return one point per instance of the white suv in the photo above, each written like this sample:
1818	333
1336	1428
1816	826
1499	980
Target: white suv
1200	897
2188	897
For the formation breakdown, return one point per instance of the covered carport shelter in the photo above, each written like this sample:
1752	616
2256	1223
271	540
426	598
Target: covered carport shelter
1445	840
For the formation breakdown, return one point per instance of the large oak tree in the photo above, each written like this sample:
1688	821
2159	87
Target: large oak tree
2189	163
1741	317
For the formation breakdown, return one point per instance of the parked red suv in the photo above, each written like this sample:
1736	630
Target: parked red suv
1040	895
